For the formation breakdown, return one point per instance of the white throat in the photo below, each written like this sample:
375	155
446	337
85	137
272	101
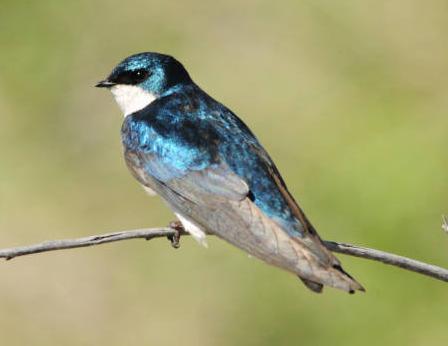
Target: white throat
131	98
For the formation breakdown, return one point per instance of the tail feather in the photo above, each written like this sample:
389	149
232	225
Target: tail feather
355	285
328	270
312	285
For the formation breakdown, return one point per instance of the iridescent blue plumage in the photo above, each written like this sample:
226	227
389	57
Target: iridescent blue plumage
212	171
186	130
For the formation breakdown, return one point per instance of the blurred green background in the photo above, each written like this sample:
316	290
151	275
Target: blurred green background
350	98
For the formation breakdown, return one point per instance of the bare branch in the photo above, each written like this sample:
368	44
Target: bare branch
63	244
172	234
389	258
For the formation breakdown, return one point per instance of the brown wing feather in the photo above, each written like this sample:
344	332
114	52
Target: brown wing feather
311	239
236	219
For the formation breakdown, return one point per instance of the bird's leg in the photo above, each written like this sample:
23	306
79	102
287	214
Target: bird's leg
178	229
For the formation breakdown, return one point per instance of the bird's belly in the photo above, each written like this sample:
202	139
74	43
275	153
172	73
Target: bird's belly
149	191
197	233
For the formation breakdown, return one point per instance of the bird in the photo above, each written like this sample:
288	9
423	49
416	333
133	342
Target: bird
207	165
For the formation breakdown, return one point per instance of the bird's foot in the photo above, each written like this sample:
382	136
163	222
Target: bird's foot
178	229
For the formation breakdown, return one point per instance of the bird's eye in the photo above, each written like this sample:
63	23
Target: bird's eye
138	76
132	77
139	73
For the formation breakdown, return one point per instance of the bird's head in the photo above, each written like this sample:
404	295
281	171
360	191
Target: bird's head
141	78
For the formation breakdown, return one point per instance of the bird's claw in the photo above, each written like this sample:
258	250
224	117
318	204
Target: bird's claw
174	238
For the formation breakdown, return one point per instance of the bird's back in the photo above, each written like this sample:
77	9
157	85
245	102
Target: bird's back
181	142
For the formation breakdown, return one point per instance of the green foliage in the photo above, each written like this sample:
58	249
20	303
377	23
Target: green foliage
350	99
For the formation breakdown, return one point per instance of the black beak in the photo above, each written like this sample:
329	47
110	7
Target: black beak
105	84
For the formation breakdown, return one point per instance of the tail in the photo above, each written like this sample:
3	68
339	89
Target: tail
317	265
312	285
351	285
244	225
330	272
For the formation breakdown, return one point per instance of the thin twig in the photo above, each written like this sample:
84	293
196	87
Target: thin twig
63	244
170	233
389	258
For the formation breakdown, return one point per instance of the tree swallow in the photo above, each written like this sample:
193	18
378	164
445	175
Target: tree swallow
210	169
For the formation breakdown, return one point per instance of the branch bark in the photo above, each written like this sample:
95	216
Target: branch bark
172	234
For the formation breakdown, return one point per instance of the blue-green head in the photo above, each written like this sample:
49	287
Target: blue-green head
141	78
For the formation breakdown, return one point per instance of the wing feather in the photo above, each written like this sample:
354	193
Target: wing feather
212	169
216	199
